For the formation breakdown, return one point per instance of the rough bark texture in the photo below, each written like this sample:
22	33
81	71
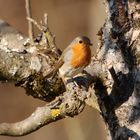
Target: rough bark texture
113	82
27	64
120	52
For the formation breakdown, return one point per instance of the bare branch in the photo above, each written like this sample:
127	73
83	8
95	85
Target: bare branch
68	105
35	23
28	65
30	24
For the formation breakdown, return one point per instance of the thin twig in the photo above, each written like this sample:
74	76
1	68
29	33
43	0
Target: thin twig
35	23
30	24
45	19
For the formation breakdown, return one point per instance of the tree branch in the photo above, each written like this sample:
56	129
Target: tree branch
30	24
27	66
68	105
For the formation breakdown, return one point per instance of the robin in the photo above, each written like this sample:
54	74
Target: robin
74	58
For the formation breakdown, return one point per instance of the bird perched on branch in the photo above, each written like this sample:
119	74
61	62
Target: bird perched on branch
74	58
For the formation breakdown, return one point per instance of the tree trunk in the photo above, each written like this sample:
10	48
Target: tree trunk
120	53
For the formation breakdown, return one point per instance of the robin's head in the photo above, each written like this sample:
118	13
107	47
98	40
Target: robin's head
82	40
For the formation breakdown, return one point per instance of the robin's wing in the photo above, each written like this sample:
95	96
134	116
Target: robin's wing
52	73
65	56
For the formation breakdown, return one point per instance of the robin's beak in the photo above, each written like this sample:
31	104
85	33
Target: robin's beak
90	44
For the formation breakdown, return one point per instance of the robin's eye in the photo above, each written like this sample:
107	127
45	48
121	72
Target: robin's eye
80	41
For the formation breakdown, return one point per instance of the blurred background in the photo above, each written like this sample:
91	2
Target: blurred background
67	19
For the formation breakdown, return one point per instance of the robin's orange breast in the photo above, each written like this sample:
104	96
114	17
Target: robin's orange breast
81	55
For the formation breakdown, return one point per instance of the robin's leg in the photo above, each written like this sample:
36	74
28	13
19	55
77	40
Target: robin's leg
75	83
71	80
68	80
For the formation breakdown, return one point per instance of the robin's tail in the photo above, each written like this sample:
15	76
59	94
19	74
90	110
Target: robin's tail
53	72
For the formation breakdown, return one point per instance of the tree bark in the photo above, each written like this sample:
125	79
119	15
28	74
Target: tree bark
119	50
